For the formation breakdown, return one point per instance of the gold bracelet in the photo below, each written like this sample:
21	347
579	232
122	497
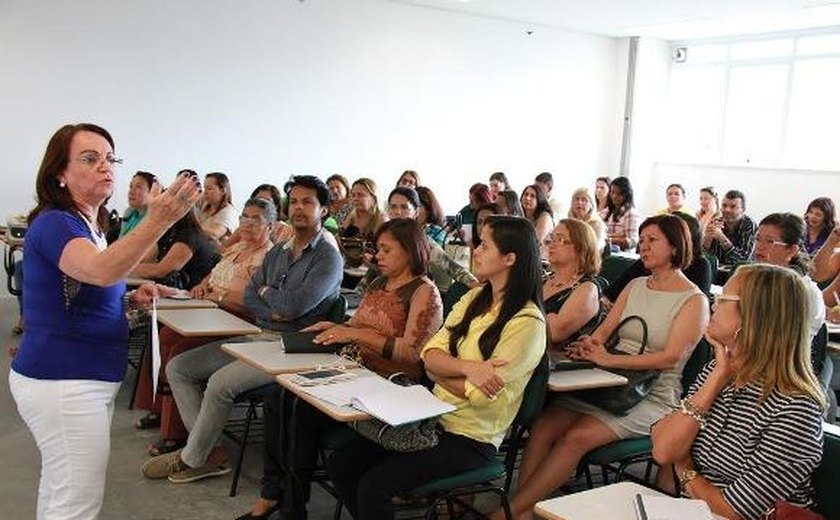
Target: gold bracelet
688	408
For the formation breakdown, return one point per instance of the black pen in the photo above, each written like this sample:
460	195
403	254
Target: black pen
641	514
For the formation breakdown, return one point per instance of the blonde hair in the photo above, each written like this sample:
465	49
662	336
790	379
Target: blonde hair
774	348
370	186
586	245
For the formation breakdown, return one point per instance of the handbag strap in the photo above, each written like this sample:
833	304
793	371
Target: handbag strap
613	339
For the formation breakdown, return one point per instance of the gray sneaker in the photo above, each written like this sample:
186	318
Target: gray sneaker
193	474
163	465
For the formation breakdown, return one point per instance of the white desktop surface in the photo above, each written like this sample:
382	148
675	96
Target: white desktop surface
584	379
270	357
612	502
205	322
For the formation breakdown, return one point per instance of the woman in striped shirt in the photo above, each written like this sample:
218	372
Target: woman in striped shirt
749	432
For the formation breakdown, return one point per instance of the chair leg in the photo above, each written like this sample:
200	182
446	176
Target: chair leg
588	474
506	506
249	416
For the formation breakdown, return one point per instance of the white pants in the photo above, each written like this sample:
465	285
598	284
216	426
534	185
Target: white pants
71	423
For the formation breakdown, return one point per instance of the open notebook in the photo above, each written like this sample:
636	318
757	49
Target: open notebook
390	402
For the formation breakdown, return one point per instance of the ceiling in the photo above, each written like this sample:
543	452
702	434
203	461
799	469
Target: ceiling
666	19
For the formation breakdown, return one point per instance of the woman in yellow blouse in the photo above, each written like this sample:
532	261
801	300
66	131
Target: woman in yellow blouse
481	361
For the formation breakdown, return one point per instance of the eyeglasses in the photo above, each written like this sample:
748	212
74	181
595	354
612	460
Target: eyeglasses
94	159
768	241
245	219
556	239
726	298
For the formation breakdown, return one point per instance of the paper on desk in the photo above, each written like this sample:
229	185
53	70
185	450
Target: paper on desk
342	394
155	340
669	508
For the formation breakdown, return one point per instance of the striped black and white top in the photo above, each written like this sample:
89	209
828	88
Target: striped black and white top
758	451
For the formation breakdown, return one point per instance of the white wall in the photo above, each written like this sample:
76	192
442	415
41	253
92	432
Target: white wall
767	190
264	89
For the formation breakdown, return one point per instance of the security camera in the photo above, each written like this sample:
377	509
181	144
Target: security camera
680	54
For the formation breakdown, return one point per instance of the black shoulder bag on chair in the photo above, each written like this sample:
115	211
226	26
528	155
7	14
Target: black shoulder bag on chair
619	400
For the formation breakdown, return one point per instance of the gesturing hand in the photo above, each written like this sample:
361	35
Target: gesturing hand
167	207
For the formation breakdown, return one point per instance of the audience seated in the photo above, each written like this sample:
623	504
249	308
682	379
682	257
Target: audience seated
675	196
409	179
183	256
820	218
498	183
296	285
709	207
218	217
536	209
443	270
699	271
676	313
571	295
430	215
225	285
583	208
340	205
732	237
481	361
622	219
479	196
749	432
778	241
280	230
138	200
546	181
396	317
360	226
602	195
508	204
826	261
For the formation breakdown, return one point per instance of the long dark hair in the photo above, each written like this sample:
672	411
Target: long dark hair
224	185
511	235
48	190
542	202
826	205
434	213
623	185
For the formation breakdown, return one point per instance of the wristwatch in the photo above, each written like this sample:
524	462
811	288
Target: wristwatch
687	476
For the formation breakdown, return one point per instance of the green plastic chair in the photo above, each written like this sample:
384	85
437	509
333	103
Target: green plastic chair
613	266
826	477
338	311
619	455
483	480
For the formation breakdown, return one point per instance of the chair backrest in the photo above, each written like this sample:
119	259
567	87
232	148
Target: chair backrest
338	311
613	266
534	394
455	292
702	354
826	477
819	348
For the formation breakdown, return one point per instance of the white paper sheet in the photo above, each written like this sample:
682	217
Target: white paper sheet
155	345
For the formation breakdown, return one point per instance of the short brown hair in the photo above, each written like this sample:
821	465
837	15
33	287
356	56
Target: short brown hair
678	236
408	233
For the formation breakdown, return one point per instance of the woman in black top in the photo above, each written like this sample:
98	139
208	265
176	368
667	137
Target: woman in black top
699	271
184	255
575	260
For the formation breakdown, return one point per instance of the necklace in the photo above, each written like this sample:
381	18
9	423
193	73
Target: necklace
557	283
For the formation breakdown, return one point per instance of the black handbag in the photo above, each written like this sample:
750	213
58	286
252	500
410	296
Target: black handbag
619	400
413	436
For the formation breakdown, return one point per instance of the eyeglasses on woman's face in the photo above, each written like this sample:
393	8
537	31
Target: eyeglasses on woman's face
557	239
722	297
93	159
